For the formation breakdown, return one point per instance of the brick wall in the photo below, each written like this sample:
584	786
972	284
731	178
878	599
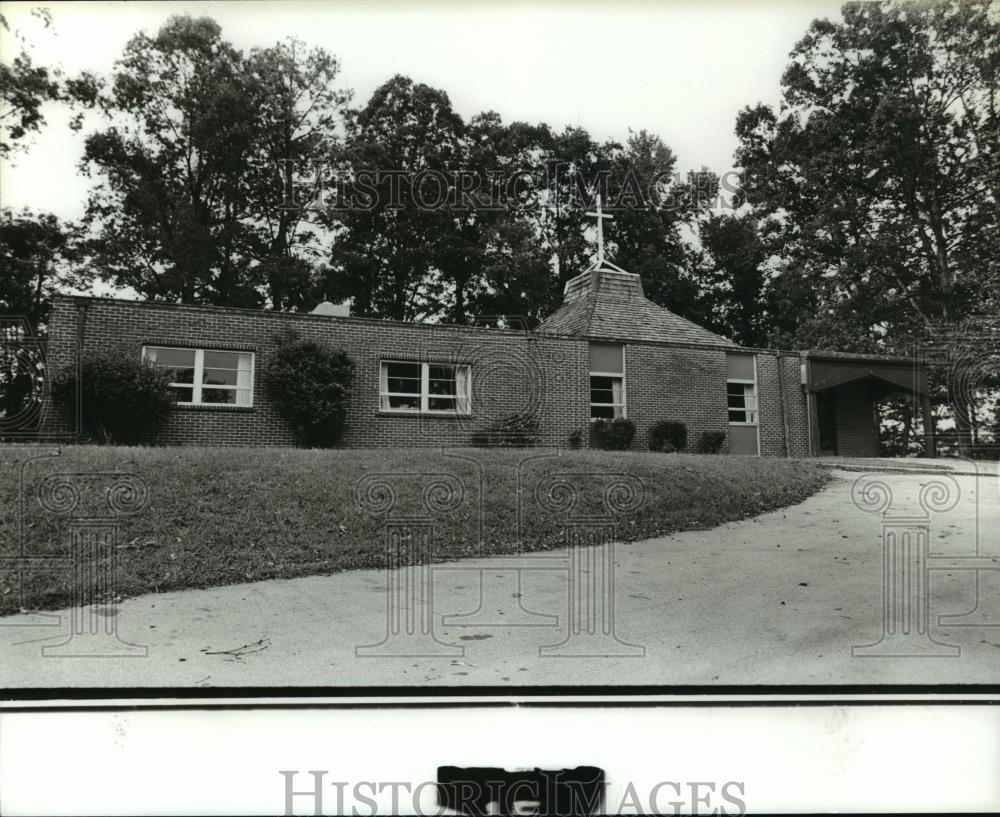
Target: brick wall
854	418
511	371
669	383
784	422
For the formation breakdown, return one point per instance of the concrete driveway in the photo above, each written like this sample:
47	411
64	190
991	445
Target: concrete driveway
778	599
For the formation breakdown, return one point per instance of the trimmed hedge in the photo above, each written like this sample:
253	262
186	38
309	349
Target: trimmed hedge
310	386
711	442
122	398
668	436
612	435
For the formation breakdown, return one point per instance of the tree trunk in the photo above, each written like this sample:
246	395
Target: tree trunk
961	409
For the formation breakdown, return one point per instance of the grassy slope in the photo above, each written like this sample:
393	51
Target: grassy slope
219	516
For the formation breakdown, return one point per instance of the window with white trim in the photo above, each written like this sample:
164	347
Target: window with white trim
206	377
607	381
431	388
741	388
742	400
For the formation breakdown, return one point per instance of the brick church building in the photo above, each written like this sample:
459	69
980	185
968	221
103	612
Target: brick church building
607	352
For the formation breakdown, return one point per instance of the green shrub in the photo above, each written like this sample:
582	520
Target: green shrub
22	379
513	431
612	435
310	386
576	438
668	436
711	442
121	398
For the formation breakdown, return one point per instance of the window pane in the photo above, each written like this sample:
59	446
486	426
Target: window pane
442	387
220	377
179	363
441	372
605	389
403	370
400	402
181	375
737	416
222	360
602	412
441	404
170	357
736	401
734	389
219	396
402	378
399	385
182	394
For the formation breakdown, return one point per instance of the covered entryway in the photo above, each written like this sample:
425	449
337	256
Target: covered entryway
842	391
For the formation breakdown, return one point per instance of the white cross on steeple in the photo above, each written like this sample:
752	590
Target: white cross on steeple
600	216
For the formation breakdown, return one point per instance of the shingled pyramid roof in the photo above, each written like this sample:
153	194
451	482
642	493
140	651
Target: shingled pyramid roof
605	302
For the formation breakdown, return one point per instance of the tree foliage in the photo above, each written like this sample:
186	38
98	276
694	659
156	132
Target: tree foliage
310	385
123	399
26	86
407	138
35	254
881	173
193	170
881	167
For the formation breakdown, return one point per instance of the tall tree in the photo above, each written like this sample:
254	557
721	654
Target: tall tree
510	276
194	171
172	200
26	86
654	208
882	166
37	255
401	147
732	267
298	123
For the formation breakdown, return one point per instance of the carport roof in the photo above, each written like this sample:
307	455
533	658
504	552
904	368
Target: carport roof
823	370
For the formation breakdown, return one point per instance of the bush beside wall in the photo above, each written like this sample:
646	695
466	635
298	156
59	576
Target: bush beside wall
711	442
310	386
668	436
121	398
612	435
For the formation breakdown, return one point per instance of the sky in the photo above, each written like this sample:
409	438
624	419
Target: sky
678	69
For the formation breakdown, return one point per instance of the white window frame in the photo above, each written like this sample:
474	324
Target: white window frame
425	395
617	376
199	373
751	408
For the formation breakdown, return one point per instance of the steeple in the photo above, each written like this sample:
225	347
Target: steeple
601	262
605	302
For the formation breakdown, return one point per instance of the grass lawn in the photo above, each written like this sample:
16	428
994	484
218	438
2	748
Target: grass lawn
227	515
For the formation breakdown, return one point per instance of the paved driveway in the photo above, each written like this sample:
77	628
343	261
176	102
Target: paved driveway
778	599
